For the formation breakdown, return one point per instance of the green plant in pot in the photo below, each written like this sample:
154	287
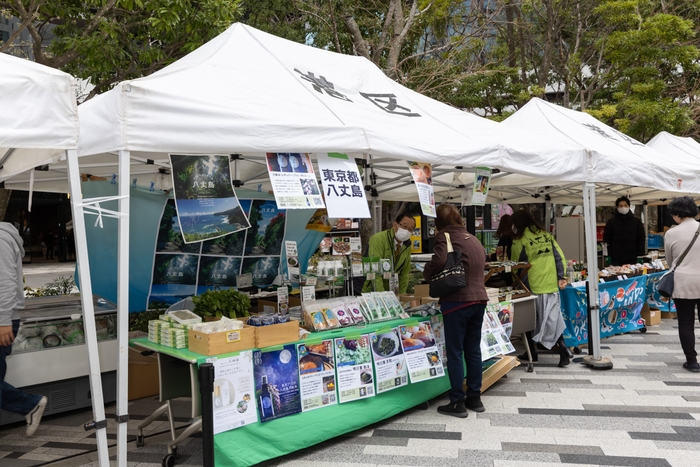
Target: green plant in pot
217	303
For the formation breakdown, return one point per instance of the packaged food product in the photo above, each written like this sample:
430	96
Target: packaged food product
282	318
313	317
330	316
353	306
254	320
344	316
267	319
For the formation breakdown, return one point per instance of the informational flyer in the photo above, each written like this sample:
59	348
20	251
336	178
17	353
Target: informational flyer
389	360
504	313
207	206
277	382
422	174
438	324
317	375
423	357
319	221
234	392
482	180
354	368
494	340
292	255
293	180
342	186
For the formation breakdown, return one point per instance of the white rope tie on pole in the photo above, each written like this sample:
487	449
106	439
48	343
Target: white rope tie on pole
92	206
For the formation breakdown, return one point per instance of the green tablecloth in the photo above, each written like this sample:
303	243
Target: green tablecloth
252	444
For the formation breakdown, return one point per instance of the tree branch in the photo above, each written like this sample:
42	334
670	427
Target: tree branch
357	41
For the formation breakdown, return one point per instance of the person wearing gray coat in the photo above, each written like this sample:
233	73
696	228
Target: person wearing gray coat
686	290
11	302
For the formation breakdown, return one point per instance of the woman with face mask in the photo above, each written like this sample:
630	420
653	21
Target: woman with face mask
624	235
393	243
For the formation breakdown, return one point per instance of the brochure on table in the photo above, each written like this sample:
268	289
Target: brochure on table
389	361
317	374
207	206
354	368
234	392
293	181
422	174
277	382
342	186
423	358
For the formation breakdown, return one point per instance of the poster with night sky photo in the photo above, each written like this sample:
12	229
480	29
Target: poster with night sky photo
277	382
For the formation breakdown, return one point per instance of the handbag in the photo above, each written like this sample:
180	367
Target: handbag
665	286
452	277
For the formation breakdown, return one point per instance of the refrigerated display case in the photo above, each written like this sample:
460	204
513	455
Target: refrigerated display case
49	355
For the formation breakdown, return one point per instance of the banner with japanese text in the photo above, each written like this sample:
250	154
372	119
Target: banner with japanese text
482	180
342	186
207	206
621	305
293	180
422	174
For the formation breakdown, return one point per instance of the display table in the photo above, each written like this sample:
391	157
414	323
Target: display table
654	299
621	304
518	272
255	443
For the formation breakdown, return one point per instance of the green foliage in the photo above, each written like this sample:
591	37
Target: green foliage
139	321
59	286
217	303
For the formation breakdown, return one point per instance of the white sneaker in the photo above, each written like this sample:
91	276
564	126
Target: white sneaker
34	417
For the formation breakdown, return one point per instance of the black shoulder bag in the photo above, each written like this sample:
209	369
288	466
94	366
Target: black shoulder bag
666	282
452	277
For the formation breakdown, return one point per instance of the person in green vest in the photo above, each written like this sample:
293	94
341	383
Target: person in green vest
547	274
393	243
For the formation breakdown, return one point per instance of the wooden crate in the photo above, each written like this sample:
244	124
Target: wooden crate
222	342
276	334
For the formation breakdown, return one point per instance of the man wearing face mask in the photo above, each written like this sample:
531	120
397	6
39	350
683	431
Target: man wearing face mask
393	243
624	235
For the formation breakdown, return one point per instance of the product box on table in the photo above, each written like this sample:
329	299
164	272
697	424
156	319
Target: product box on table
222	342
426	300
422	290
276	334
651	316
269	306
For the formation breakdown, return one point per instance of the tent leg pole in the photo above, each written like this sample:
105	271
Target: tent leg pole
122	412
81	251
548	215
646	227
595	360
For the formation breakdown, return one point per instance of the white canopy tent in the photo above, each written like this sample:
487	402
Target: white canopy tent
613	159
42	127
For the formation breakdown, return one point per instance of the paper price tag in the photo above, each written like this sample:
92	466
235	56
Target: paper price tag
509	297
508	268
371	276
311	280
624	276
233	336
387	275
308	293
619	278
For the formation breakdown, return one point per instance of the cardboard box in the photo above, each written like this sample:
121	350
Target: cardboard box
222	342
651	316
143	375
270	306
412	300
422	290
668	315
276	334
496	372
425	300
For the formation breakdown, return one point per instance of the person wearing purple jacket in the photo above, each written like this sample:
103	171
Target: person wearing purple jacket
11	302
463	311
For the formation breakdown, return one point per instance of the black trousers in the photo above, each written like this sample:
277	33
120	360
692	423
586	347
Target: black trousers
685	307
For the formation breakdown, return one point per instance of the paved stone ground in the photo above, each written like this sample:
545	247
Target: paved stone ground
643	413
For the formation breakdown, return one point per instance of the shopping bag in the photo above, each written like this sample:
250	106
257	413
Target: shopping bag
452	277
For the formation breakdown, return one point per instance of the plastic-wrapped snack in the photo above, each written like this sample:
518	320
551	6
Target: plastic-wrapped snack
329	315
280	318
313	317
344	316
372	307
255	320
355	309
267	319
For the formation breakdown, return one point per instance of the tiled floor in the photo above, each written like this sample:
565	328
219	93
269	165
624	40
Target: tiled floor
644	412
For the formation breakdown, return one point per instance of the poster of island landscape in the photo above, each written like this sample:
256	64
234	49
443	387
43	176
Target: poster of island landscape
215	263
206	203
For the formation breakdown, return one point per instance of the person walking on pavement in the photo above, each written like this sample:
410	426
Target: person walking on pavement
686	290
11	302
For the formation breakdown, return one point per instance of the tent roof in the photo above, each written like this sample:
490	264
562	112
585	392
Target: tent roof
247	91
614	158
41	118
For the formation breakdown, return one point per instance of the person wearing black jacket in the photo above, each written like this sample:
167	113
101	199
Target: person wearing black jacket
624	235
